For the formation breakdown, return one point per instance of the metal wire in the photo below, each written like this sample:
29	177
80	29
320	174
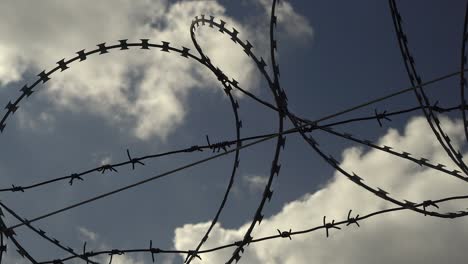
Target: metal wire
300	125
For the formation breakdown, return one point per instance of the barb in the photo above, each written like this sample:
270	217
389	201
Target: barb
353	220
133	161
285	234
329	225
381	116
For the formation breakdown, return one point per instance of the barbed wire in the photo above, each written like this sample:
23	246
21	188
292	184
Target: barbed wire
302	126
222	145
462	75
415	78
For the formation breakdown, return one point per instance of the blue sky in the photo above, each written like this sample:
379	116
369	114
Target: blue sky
332	55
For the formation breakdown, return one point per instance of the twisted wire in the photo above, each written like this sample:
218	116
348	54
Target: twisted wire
303	126
346	222
462	74
421	96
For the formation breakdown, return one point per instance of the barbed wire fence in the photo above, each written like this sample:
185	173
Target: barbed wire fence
301	126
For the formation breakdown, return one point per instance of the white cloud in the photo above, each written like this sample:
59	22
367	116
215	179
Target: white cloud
145	87
293	24
11	65
91	236
42	122
37	34
399	237
87	234
105	161
255	182
119	259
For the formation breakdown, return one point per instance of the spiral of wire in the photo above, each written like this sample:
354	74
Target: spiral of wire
301	126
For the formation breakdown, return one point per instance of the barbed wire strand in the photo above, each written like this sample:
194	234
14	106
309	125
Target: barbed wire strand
216	147
462	73
346	222
421	96
303	126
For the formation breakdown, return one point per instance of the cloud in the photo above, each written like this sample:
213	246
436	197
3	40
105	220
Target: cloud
87	234
105	161
93	237
255	182
119	259
291	22
42	122
398	237
146	87
11	65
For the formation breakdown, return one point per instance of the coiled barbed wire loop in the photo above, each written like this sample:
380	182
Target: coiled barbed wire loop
301	126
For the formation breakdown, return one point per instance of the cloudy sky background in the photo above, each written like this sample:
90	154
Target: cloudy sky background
332	55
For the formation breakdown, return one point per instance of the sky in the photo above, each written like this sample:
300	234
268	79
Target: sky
332	55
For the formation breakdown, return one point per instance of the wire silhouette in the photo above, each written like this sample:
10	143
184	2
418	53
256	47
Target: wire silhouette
301	126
